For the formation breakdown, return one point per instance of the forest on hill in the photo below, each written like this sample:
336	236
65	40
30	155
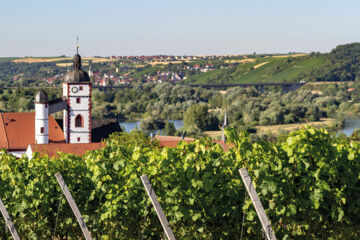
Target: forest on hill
341	64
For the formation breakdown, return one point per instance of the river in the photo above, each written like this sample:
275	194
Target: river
128	126
351	123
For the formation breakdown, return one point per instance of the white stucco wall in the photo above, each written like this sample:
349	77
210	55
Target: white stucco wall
82	108
84	92
41	120
65	87
83	105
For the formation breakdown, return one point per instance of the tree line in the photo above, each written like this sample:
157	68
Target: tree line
202	109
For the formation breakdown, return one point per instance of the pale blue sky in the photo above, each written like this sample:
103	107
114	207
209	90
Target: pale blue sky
179	27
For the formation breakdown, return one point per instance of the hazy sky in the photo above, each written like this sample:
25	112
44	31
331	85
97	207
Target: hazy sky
178	27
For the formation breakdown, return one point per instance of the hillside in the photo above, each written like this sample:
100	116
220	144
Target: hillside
264	69
341	64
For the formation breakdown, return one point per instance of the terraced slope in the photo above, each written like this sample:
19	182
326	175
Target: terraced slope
266	69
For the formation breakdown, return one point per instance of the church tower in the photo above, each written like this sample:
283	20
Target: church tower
77	93
41	118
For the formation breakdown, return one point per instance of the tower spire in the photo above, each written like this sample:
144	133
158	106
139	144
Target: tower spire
225	120
225	124
77	58
77	44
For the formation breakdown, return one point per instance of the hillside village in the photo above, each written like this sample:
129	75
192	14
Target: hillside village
127	64
121	70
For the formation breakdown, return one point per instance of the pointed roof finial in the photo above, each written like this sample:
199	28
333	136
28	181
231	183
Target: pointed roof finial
225	120
225	124
77	75
77	44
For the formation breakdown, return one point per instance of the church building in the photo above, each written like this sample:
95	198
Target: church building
22	133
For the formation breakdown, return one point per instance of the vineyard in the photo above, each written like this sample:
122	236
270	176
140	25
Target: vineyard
308	183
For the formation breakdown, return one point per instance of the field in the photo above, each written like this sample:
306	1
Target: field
290	55
277	129
247	60
70	64
61	59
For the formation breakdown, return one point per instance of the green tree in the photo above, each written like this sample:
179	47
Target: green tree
151	124
197	117
355	136
170	129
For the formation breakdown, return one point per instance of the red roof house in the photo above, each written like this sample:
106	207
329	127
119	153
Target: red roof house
17	131
52	150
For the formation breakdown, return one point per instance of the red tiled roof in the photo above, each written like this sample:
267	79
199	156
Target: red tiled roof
3	137
170	141
17	130
73	148
172	138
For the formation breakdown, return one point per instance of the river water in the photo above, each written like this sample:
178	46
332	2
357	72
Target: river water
351	123
129	126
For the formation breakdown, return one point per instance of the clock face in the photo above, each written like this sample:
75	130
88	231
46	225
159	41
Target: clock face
74	89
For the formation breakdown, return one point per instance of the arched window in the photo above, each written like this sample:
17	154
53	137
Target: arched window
79	122
42	130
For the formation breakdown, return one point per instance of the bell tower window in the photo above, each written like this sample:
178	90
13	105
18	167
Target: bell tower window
78	100
79	121
42	130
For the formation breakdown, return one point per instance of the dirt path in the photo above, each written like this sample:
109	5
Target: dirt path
260	64
290	55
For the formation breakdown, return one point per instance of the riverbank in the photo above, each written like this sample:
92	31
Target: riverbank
353	110
347	127
285	128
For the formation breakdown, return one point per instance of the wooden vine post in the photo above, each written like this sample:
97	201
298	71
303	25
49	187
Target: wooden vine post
73	206
270	235
151	193
8	221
